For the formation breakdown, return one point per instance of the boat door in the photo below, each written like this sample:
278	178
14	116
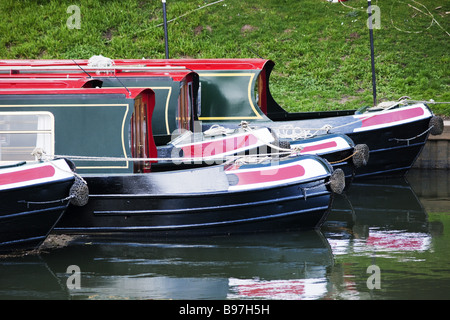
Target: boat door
142	143
261	91
185	114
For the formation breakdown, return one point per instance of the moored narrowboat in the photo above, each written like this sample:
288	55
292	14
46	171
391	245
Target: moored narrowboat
180	110
108	135
293	193
395	134
33	197
238	89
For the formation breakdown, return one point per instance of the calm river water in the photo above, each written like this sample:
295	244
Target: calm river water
382	240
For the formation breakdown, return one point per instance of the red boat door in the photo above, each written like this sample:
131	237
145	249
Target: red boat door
185	116
142	143
261	91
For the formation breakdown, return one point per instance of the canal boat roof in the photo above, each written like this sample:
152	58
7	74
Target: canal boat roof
176	73
131	93
175	88
193	64
228	85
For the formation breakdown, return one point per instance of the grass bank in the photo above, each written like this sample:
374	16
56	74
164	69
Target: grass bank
321	49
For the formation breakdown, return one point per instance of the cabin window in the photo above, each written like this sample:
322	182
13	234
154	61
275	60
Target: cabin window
22	132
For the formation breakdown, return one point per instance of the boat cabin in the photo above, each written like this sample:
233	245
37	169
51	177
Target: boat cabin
232	89
100	128
176	88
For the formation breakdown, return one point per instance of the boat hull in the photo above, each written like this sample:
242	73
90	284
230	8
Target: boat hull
338	150
391	152
211	203
29	213
394	137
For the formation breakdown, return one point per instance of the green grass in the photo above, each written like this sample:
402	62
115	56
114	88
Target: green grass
321	49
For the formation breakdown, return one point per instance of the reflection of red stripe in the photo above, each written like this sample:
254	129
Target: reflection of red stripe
316	147
270	175
27	175
392	242
392	117
219	146
272	288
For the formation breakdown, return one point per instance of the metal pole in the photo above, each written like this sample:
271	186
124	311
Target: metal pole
166	39
372	54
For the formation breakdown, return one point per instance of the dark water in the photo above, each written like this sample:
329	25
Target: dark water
382	240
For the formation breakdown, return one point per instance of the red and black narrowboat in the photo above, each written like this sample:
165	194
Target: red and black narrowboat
33	198
233	90
180	110
107	133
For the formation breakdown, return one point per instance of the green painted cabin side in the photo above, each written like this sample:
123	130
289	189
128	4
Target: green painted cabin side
82	124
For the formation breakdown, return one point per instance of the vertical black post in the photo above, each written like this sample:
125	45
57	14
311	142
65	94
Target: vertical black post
372	54
166	39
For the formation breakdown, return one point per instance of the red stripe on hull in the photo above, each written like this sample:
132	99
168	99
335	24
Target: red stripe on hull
270	175
317	147
27	175
220	146
392	117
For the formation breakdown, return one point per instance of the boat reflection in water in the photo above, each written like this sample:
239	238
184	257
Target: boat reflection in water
383	223
379	219
379	215
276	266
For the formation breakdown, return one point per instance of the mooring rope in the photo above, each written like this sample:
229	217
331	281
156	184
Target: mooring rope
216	130
245	125
385	106
345	159
328	127
177	159
429	14
185	14
40	155
28	203
412	138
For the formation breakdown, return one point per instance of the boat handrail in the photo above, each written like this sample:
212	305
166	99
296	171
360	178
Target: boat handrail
11	164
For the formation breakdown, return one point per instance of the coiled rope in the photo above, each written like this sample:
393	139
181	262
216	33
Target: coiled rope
327	127
245	125
296	133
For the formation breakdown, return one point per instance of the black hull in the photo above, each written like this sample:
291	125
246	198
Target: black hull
124	208
336	161
25	225
389	155
393	148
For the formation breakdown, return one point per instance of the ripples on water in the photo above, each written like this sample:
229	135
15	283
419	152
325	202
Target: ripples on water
401	227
